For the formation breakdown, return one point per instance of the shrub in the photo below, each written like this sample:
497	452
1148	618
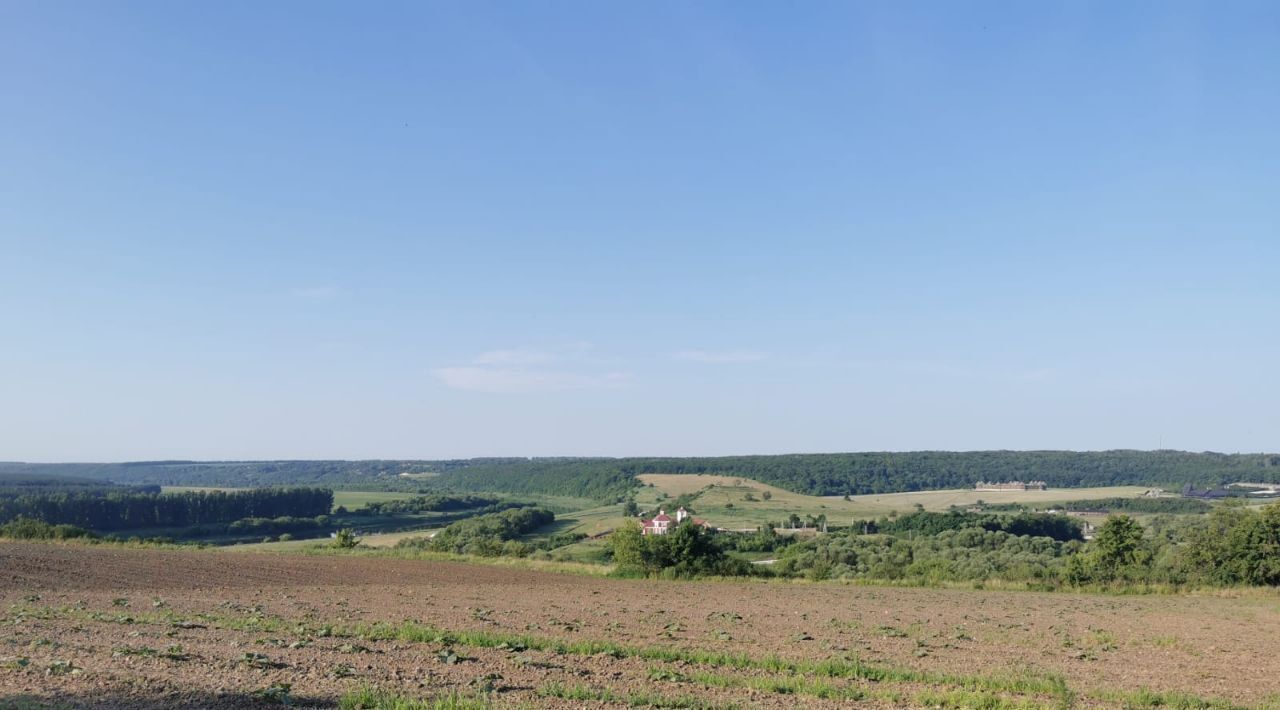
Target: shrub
24	528
346	539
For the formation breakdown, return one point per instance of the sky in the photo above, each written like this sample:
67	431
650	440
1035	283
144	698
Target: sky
245	230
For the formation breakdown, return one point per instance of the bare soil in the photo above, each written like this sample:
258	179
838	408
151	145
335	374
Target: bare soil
111	613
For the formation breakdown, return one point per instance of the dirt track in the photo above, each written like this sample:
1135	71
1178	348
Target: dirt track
85	604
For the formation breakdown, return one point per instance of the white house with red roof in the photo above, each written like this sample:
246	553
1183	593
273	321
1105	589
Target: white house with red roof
661	524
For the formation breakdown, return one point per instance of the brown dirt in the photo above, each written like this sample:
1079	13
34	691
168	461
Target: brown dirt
62	603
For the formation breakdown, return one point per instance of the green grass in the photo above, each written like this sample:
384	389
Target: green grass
376	699
584	693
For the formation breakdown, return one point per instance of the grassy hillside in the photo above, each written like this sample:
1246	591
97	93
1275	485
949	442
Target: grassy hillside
722	500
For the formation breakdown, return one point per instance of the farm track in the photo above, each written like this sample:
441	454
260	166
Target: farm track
111	612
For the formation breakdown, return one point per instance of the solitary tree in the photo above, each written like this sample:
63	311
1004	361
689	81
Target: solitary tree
345	538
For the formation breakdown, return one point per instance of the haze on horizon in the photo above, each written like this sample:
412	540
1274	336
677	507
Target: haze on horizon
322	230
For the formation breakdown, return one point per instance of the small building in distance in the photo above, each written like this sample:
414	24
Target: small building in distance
1011	486
1190	491
661	524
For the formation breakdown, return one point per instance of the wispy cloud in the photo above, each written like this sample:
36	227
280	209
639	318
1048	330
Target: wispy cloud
314	293
531	371
517	356
508	380
720	357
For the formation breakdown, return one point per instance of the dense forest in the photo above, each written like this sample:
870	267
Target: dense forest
363	475
609	479
1057	527
15	483
598	479
861	473
112	510
429	504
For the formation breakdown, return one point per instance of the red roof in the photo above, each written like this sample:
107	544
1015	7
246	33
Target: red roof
663	517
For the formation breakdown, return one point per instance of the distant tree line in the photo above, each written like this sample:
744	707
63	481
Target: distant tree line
14	484
596	479
610	480
279	525
1057	527
486	535
433	503
866	473
126	510
1173	506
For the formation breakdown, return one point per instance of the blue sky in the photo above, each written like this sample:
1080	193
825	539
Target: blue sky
304	230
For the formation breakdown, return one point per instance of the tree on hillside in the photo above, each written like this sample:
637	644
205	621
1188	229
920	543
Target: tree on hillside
687	551
1117	551
629	549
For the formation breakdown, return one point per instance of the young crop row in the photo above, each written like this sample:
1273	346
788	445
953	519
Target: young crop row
801	678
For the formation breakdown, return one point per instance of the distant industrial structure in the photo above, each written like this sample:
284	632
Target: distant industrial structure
1011	486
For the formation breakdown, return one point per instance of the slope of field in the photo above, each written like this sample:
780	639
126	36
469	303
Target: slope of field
942	500
370	540
723	500
92	626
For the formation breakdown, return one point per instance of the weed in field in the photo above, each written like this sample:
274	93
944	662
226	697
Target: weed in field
59	668
342	670
275	694
144	651
487	683
375	699
1104	640
666	674
120	601
257	660
583	693
175	653
1174	701
973	700
15	664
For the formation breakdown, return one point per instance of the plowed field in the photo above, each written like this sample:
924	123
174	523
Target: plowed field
87	626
